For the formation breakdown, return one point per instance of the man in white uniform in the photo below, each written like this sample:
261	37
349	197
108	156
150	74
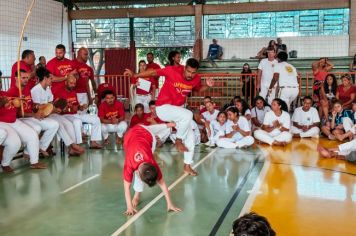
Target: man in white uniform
287	78
265	74
306	120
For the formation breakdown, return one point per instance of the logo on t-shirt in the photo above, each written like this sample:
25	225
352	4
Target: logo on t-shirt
183	89
138	157
289	69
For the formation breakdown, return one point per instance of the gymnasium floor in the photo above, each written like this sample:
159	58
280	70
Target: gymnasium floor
296	190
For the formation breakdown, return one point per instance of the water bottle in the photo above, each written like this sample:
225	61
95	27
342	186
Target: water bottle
93	109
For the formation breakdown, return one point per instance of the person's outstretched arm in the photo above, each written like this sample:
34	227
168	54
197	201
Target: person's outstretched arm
170	206
130	209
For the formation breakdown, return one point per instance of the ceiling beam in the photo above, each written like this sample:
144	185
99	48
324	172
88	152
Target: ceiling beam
208	9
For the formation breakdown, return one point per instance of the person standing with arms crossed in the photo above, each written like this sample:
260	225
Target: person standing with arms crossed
171	99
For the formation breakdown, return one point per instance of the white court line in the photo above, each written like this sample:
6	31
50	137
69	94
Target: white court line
80	183
150	204
256	189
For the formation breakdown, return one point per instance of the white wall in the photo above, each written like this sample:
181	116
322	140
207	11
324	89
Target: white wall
314	46
43	30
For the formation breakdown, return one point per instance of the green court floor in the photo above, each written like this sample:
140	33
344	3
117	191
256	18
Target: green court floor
84	195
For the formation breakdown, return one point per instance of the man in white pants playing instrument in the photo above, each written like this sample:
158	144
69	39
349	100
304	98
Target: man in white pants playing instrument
177	86
287	78
140	165
306	120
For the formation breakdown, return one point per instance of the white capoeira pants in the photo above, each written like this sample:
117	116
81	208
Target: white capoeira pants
312	132
190	141
264	91
346	148
119	129
233	143
274	135
144	100
47	125
83	99
288	95
66	129
348	124
11	142
159	130
29	139
93	120
213	138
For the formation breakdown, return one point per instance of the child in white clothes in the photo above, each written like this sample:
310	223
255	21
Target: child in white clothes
217	129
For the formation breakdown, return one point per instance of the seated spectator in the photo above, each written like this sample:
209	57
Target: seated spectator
276	125
217	129
200	121
101	88
280	46
327	95
214	52
320	69
263	52
140	95
248	87
112	117
238	131
346	92
206	99
163	132
243	109
258	112
352	68
139	117
341	122
211	113
252	224
231	104
306	120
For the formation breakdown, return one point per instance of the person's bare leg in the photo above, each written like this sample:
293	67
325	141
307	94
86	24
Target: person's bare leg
339	134
136	199
180	146
327	153
189	170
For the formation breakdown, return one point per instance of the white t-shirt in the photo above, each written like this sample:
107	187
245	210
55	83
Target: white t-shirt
283	119
260	114
242	123
267	68
210	117
305	117
215	128
287	74
40	95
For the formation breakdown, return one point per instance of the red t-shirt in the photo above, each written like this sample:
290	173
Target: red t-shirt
176	88
153	81
319	76
28	68
154	66
70	96
26	93
60	69
86	73
158	120
137	120
345	96
103	87
138	149
110	112
7	113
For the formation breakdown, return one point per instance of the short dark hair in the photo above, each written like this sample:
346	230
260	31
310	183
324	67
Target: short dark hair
171	55
283	56
41	57
152	103
21	71
207	97
150	53
270	48
308	98
139	105
107	92
149	174
26	53
193	63
252	224
282	103
233	110
141	61
61	46
42	73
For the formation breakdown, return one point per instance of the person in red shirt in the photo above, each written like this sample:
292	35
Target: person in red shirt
143	96
112	117
139	145
320	69
27	64
171	99
60	68
346	92
139	117
85	74
174	58
35	120
100	91
71	113
151	65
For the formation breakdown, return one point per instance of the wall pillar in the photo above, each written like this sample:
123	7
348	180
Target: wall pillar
197	50
352	28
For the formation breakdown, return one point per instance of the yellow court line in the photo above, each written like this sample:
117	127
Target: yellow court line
150	204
